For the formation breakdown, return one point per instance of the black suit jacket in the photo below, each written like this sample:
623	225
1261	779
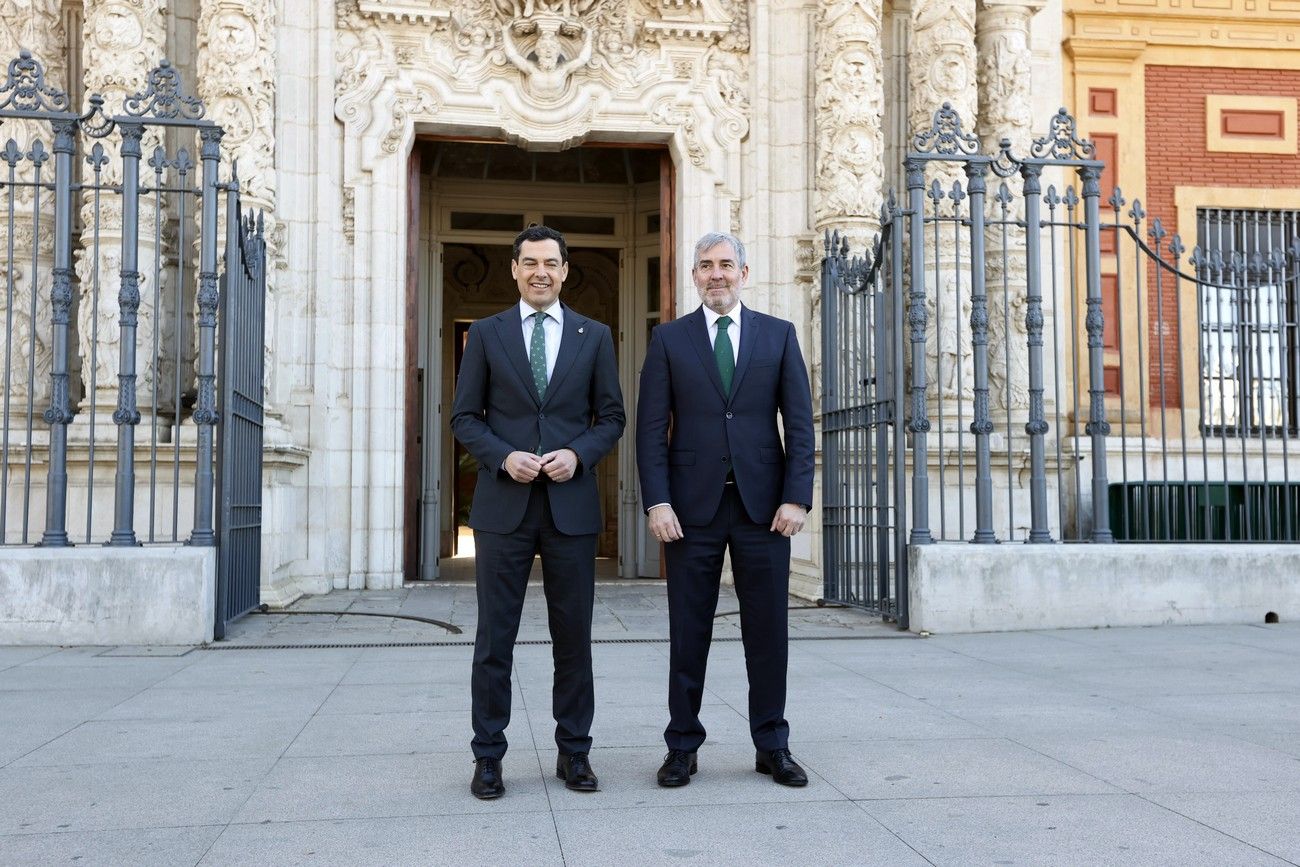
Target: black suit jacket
681	391
497	411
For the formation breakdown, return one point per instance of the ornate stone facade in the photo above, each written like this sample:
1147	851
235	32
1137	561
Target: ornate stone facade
121	42
777	117
37	26
236	80
850	104
942	65
1006	113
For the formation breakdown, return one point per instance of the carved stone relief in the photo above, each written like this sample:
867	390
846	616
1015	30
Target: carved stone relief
942	66
236	81
849	105
545	70
942	70
1006	112
37	26
121	42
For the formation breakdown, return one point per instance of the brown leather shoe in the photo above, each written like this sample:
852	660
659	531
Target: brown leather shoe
782	766
575	770
487	783
677	768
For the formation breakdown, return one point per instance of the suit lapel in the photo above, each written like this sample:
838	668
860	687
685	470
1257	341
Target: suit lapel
699	332
575	331
748	336
510	331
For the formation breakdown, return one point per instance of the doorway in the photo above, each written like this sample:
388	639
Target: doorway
473	198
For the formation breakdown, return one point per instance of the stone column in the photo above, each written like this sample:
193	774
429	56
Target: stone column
942	69
849	101
36	26
849	130
236	81
121	43
1006	112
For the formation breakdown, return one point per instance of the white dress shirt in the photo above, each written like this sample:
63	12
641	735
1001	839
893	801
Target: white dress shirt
733	330
554	325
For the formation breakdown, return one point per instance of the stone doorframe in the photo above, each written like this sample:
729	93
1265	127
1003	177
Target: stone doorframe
501	72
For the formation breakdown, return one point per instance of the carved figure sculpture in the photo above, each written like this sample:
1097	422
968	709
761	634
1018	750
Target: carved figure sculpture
546	69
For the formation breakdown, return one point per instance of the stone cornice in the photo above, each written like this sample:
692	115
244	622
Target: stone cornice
405	11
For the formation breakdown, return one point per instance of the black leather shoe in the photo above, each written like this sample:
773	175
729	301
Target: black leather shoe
782	766
575	770
487	783
677	768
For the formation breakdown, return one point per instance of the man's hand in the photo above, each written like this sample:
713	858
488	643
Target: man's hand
523	467
560	465
663	524
789	519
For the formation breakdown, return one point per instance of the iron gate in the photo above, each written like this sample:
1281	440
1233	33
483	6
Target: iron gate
863	493
239	456
111	311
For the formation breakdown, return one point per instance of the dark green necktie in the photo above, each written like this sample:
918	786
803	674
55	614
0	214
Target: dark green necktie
537	353
723	354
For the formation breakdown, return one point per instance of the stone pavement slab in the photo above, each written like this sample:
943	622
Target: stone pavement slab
526	838
154	847
1176	745
1084	830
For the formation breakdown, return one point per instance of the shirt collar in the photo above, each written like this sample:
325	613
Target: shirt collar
710	317
555	311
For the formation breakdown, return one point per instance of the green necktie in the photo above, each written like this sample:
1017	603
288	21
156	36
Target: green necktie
723	354
537	353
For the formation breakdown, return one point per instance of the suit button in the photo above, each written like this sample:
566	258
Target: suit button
728	415
724	460
541	415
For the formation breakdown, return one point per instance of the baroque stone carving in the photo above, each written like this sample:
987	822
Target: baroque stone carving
237	80
37	26
942	66
121	42
849	105
545	59
1006	112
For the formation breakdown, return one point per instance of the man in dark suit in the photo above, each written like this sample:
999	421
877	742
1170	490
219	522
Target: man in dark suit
716	476
537	404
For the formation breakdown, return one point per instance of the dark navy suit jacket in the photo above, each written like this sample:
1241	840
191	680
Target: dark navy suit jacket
497	411
689	433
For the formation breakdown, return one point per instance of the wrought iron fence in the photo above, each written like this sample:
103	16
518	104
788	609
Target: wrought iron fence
1075	372
110	246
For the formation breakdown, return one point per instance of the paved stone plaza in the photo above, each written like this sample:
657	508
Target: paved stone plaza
1175	745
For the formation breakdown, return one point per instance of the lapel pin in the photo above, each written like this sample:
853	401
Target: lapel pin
580	330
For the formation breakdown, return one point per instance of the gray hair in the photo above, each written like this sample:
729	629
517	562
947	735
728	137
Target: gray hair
713	239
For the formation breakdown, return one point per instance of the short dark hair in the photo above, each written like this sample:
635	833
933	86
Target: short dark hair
540	233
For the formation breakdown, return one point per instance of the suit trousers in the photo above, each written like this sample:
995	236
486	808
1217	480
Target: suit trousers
760	561
502	563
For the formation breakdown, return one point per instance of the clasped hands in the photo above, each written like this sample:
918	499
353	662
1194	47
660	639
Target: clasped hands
559	465
665	527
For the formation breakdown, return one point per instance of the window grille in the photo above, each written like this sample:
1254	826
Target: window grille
1248	327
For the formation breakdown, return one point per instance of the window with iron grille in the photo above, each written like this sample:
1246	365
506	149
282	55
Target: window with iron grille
1248	333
